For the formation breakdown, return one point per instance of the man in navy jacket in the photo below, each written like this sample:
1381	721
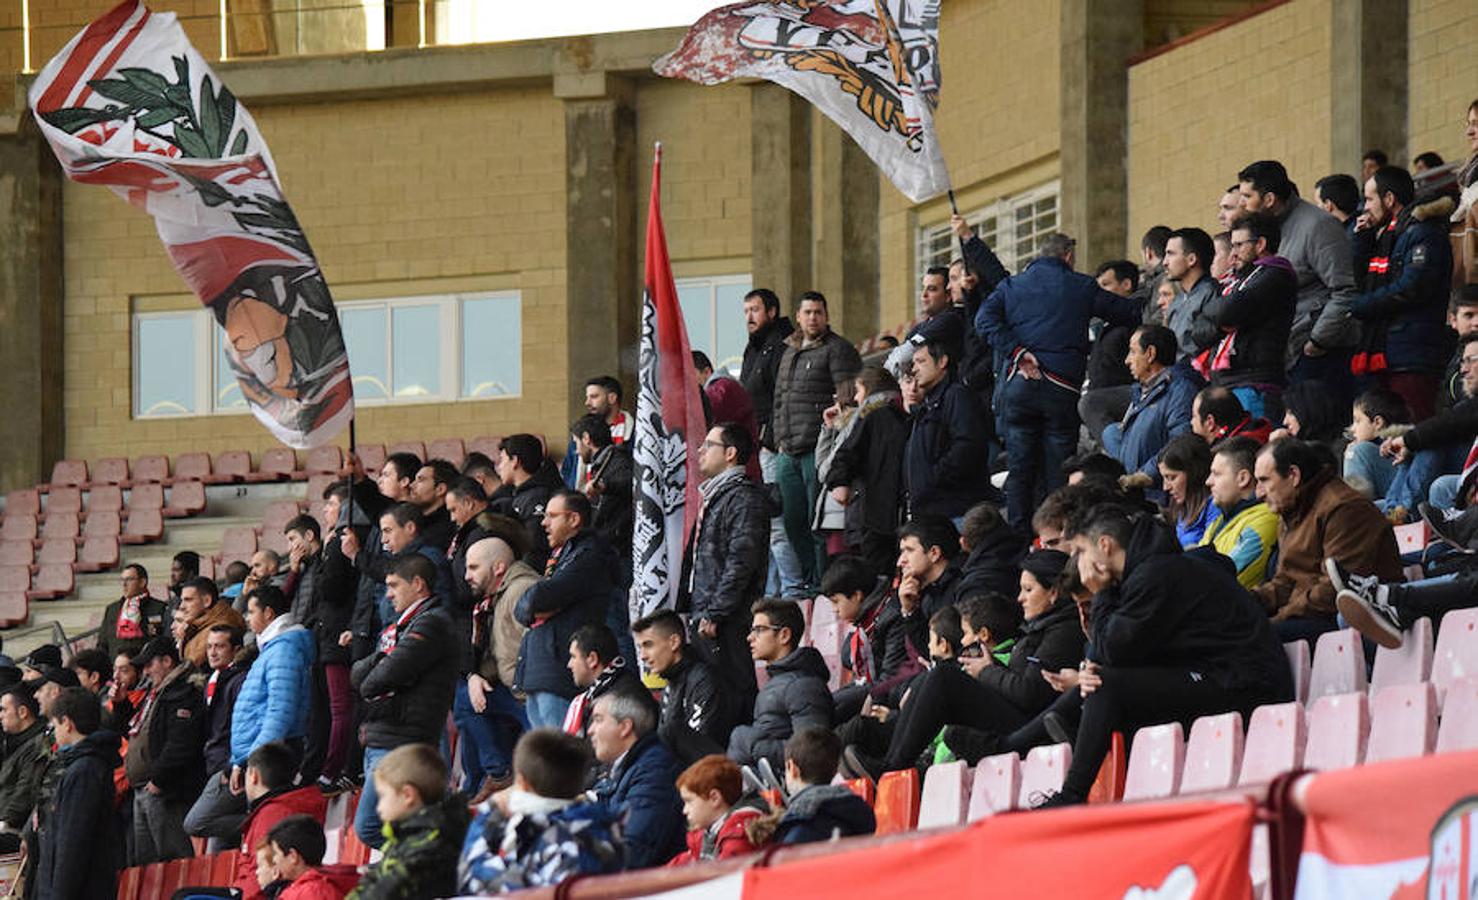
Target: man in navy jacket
642	783
946	461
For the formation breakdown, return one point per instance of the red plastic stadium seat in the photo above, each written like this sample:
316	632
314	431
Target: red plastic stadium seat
17	553
223	868
57	550
103	524
449	449
862	787
69	473
278	514
327	459
1155	762
144	526
52	582
15	609
1403	722
996	784
104	498
1459	729
113	470
946	795
1457	650
238	544
1339	664
151	468
1275	743
486	445
15	578
60	526
1042	773
416	447
128	883
192	467
23	503
1108	785
278	464
186	498
319	483
1339	729
1411	664
208	567
1213	754
148	497
372	457
275	541
64	500
18	527
230	466
99	553
897	806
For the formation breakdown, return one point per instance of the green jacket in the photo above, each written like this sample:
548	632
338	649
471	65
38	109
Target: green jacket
20	774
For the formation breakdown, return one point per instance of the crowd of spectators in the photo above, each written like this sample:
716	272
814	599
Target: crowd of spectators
1202	457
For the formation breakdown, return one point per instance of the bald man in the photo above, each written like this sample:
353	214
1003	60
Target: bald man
485	709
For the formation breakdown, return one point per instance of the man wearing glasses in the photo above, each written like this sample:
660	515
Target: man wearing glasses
131	620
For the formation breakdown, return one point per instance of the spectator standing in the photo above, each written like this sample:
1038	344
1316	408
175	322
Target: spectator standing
597	668
867	468
132	620
641	785
608	479
726	400
794	697
521	463
323	591
201	609
1188	256
26	747
1107	384
1160	409
165	765
228	661
602	399
945	468
1256	314
428	493
80	840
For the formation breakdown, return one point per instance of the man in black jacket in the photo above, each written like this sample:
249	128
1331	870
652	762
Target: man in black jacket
724	563
80	838
533	479
1174	637
428	491
883	642
581	586
406	685
228	662
945	460
767	333
697	714
364	546
597	668
796	694
165	764
25	745
131	620
1255	314
323	582
608	470
927	548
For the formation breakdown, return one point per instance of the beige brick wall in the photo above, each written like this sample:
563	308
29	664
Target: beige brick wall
998	125
1443	75
1259	89
398	196
54	22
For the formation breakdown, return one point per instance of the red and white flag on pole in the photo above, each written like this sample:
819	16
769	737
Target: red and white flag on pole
872	66
669	427
129	104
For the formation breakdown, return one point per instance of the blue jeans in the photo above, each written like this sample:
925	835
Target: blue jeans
799	487
785	578
367	822
1041	432
1366	469
1444	491
545	710
488	737
1415	477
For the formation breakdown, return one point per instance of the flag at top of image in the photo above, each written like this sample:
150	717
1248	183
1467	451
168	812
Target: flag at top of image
669	428
129	104
872	66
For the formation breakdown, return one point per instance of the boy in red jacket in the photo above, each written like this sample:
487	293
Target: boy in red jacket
709	788
298	844
270	798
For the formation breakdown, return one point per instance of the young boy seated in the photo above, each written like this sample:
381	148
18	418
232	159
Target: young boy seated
710	788
1378	414
269	880
818	810
540	832
424	827
297	845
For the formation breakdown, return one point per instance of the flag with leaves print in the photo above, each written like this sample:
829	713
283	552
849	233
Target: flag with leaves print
129	104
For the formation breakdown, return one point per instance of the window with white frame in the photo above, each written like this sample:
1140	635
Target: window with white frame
438	348
1012	227
713	311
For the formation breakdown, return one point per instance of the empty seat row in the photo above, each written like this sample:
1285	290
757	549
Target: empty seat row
1338	665
23	509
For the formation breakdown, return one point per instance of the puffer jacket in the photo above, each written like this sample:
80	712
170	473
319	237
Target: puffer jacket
407	690
795	697
642	789
821	812
947	461
806	385
1151	619
1402	307
585	578
869	460
539	849
1051	641
82	839
419	859
726	561
1259	308
276	692
1315	244
759	371
1329	519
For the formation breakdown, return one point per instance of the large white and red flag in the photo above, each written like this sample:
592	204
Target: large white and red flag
669	427
129	104
872	66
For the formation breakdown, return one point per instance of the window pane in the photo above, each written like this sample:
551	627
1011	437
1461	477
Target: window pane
166	365
492	347
696	298
732	335
227	389
364	338
415	358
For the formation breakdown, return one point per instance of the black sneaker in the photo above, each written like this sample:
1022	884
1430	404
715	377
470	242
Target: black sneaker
1053	800
1345	580
1371	613
1451	526
857	764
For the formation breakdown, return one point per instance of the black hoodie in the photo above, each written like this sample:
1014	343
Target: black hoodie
79	855
795	697
760	369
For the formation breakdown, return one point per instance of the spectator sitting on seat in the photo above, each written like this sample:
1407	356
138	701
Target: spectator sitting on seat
697	713
271	797
523	465
79	835
269	880
1378	414
542	831
1217	414
1090	465
927	549
596	665
710	789
992	550
641	783
1185	464
298	845
1244	529
1160	409
201	610
1321	517
796	694
1314	416
1429	455
424	826
882	643
818	810
130	621
1462	317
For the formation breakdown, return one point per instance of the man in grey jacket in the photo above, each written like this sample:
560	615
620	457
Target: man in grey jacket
1188	255
1314	242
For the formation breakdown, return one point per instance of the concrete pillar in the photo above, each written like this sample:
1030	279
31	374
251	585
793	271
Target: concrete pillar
780	192
601	276
1098	37
846	246
30	304
1368	63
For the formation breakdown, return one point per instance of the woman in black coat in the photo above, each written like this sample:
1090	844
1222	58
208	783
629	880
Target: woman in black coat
866	472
